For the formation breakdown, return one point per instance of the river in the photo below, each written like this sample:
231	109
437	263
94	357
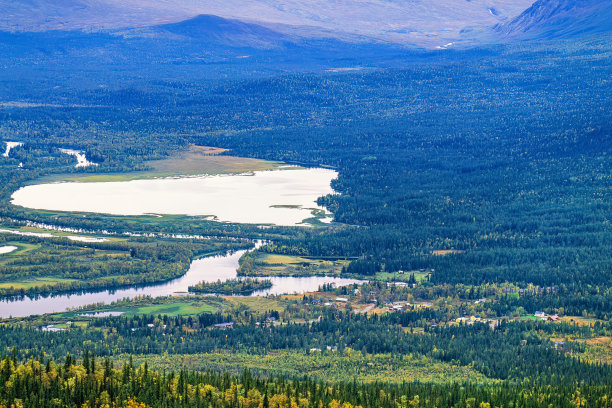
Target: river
209	269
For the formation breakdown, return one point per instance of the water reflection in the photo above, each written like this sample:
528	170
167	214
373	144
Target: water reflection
208	269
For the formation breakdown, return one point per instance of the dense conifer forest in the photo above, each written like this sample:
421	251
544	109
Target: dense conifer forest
473	199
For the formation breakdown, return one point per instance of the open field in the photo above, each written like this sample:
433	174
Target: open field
443	252
170	306
197	160
206	160
326	366
401	277
178	308
41	282
579	320
22	248
263	264
598	349
254	304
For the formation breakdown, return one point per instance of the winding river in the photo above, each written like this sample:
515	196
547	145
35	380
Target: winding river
209	269
282	197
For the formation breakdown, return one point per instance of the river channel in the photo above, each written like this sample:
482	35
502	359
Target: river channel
209	269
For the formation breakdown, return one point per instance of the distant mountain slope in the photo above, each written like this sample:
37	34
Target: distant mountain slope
420	22
43	15
216	30
547	19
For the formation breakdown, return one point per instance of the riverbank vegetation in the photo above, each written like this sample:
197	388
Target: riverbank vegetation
245	286
146	305
55	264
192	161
483	175
414	181
370	333
266	264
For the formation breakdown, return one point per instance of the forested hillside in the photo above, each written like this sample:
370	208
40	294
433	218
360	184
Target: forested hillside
472	202
46	384
502	154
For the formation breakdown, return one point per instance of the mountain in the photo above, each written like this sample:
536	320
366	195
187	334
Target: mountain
426	23
216	30
549	19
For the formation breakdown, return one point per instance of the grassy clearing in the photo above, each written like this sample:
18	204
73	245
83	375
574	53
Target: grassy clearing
254	303
197	160
272	259
444	252
25	284
530	317
22	248
205	160
580	321
262	264
170	305
598	349
324	366
179	308
400	277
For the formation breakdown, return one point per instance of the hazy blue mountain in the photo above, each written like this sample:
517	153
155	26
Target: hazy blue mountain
266	24
427	23
216	30
547	19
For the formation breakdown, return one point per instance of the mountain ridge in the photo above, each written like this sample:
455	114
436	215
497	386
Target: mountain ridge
214	29
551	19
424	23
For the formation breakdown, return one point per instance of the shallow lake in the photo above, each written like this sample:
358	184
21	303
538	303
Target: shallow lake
281	197
208	269
7	249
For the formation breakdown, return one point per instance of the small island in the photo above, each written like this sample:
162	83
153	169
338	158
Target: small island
232	286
